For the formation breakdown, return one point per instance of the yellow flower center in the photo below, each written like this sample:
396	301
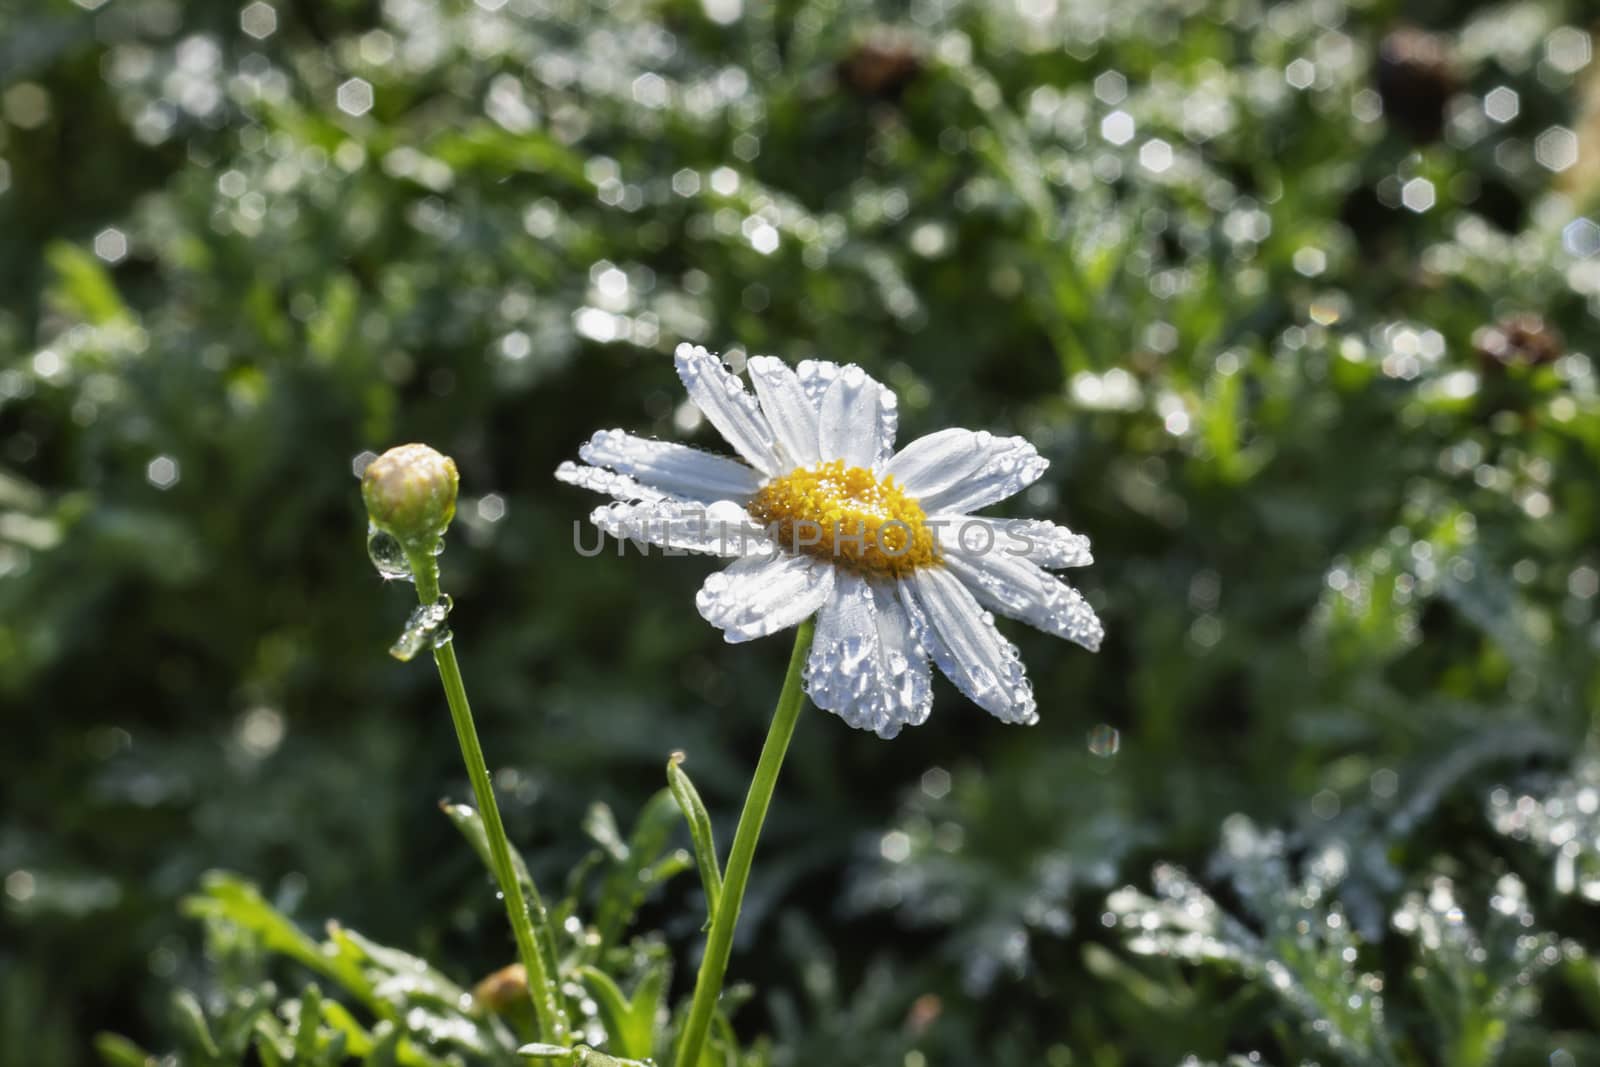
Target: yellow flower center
845	514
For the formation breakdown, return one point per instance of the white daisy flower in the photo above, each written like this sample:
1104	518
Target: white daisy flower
823	517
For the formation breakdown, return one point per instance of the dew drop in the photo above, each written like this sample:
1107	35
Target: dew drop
424	629
387	555
1104	740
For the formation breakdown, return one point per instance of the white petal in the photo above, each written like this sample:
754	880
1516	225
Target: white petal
792	414
965	644
963	470
727	405
722	528
676	470
1021	589
857	419
600	480
759	596
1038	540
865	664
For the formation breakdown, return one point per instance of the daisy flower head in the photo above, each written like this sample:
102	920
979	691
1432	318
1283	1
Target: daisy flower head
821	515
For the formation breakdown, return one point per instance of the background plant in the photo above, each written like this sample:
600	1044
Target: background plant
1274	336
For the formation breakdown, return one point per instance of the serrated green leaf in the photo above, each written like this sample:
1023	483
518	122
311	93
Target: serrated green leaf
227	898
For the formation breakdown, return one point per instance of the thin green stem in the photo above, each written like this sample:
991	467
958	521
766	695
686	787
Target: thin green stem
548	1013
719	943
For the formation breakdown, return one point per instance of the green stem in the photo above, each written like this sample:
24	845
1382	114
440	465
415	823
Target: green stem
719	943
551	1021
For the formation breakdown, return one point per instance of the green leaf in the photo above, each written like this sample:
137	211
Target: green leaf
725	1044
539	1050
229	899
307	1026
634	874
384	1046
83	286
394	985
357	1042
272	1055
273	1043
614	1007
629	1022
648	1007
117	1051
601	824
236	1029
191	1019
699	820
580	1056
402	978
466	819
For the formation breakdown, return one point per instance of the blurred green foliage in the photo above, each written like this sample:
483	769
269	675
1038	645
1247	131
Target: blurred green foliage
1299	298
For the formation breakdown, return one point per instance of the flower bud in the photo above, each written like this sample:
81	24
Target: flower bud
410	492
504	989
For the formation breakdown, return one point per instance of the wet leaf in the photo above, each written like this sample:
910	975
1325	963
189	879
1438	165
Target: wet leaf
699	820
